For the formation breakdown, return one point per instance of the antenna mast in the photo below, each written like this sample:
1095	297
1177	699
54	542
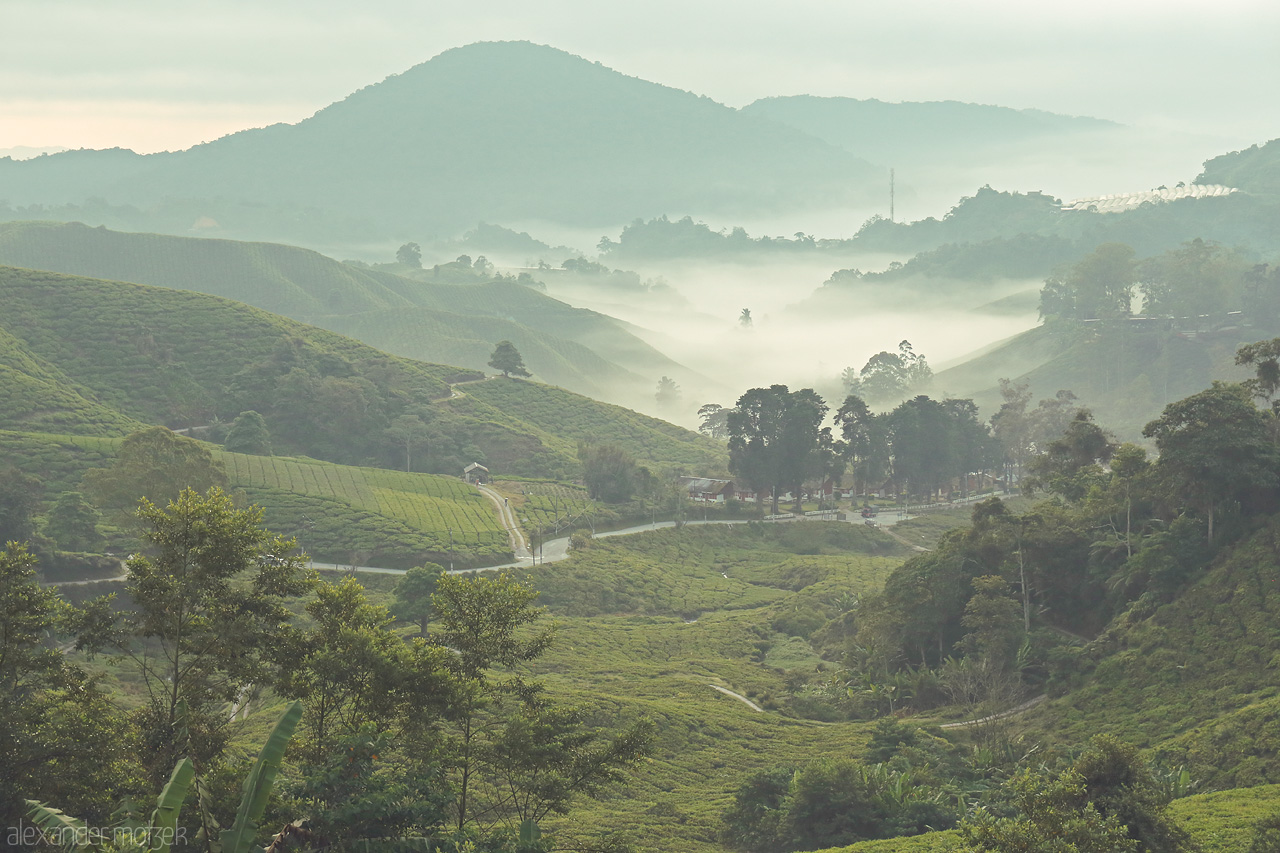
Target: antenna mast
891	195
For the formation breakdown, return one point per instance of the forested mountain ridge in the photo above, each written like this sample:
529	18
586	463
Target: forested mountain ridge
583	350
921	132
418	153
1256	169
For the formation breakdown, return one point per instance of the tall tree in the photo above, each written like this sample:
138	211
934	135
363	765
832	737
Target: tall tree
352	670
1197	278
1264	358
668	393
714	420
1012	427
507	359
51	714
517	757
413	595
866	443
155	464
1072	463
73	523
1099	287
409	432
410	255
489	623
249	434
608	471
777	441
208	617
1215	446
19	500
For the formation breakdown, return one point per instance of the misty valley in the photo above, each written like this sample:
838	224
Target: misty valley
516	456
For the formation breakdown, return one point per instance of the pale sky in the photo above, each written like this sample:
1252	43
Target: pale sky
167	74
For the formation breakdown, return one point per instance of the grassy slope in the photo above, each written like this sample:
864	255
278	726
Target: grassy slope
1221	822
451	324
429	335
282	279
386	518
623	649
568	419
1194	679
147	352
36	395
164	356
1125	384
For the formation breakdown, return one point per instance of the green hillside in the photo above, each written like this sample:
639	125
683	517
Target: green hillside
284	280
646	624
185	359
35	395
419	153
565	419
172	357
428	335
1220	822
579	349
1255	169
1125	380
1193	679
339	514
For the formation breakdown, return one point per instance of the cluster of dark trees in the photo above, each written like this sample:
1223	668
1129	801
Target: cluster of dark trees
889	376
777	442
437	741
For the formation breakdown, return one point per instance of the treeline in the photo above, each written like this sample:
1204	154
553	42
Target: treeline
441	740
988	236
922	448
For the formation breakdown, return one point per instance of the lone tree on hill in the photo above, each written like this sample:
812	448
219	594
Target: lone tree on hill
249	434
668	395
410	254
507	359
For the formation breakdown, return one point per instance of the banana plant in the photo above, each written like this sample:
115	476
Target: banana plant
257	786
162	829
157	836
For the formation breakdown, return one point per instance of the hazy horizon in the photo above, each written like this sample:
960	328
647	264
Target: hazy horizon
148	76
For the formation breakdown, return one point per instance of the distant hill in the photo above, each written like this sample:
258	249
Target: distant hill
1126	381
1255	169
493	131
931	133
94	357
582	350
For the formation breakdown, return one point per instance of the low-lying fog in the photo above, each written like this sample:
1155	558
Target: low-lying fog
792	339
801	341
